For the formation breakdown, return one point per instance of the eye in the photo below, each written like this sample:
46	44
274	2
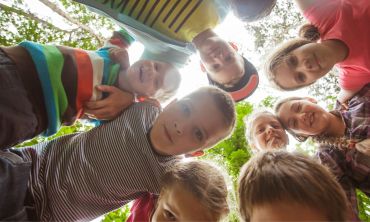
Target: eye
185	109
169	216
260	130
228	58
156	66
198	134
292	61
216	66
276	126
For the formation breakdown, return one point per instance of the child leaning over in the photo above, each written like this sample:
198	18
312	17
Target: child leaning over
49	85
191	191
280	186
82	176
264	131
342	134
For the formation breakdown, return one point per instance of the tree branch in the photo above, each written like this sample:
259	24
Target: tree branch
65	15
32	17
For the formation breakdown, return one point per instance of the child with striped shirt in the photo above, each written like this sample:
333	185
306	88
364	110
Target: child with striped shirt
51	84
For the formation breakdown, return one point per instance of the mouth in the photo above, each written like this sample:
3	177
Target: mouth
273	141
168	136
311	119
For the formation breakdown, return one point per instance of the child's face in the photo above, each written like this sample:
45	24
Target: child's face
268	133
222	62
303	66
187	125
147	77
304	117
286	211
178	204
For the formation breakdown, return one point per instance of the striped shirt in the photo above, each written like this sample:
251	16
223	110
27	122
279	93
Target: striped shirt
68	77
82	176
165	27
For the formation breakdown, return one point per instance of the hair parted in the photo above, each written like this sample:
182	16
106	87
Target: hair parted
299	138
252	10
204	181
278	56
271	177
224	102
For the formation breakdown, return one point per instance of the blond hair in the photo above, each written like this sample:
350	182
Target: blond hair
204	181
271	177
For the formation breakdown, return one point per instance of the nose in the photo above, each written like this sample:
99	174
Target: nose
269	130
178	128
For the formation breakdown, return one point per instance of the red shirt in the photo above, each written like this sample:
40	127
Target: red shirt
143	208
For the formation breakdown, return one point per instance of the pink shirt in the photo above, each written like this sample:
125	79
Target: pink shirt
143	208
348	21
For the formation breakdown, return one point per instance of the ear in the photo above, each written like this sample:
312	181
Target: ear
312	100
233	44
195	154
202	67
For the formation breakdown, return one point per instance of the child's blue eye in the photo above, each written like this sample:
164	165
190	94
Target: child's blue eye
169	216
185	109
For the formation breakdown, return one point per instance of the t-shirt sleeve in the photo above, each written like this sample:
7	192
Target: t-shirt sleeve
323	14
353	80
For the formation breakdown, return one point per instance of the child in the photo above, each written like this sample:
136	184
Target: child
300	62
173	30
82	176
191	191
342	135
264	131
52	83
280	186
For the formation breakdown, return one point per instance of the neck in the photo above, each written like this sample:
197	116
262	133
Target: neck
201	37
337	49
336	126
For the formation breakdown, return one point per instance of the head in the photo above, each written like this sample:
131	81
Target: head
264	131
281	186
302	117
298	63
252	10
155	79
227	69
192	191
195	122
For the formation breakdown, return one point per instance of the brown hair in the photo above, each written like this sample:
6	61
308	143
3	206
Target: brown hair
252	10
224	102
204	181
274	176
277	107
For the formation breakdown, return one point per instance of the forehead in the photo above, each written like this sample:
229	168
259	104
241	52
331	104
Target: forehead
264	119
285	76
185	204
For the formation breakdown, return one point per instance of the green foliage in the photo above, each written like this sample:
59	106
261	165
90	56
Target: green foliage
119	215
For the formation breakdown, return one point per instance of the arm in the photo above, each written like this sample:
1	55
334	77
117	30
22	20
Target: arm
345	95
305	4
110	107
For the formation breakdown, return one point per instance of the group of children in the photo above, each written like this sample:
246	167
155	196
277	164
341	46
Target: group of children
137	154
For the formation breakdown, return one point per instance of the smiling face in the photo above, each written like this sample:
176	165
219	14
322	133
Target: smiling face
304	117
221	61
303	66
268	133
149	77
190	124
176	203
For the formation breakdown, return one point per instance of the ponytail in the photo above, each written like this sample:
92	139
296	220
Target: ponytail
309	32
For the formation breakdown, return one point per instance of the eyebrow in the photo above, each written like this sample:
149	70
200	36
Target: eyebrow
204	131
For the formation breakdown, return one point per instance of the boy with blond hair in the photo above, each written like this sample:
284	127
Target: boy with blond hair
280	186
82	176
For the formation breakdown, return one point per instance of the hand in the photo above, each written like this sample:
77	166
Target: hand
110	107
120	56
